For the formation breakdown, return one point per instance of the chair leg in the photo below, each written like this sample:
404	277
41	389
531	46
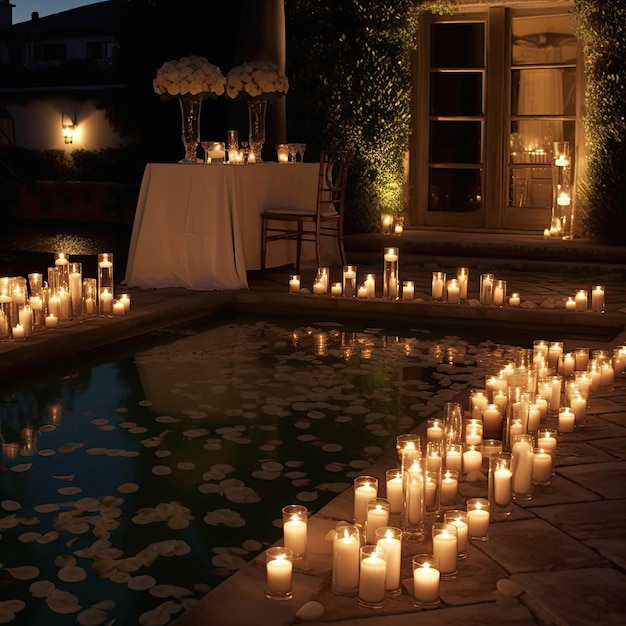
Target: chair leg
299	247
263	243
318	247
342	250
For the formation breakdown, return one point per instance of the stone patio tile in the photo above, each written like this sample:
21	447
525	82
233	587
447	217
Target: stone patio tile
615	446
613	550
587	521
572	452
606	479
597	405
578	597
535	545
559	491
619	417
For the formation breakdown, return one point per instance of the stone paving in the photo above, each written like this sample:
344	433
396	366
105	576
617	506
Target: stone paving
563	552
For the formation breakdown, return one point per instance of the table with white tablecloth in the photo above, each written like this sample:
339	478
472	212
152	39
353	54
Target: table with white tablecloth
198	226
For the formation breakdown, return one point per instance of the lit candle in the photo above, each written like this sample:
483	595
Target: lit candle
555	350
373	576
456	518
534	417
462	276
18	332
370	285
472	460
319	288
106	302
449	487
426	584
445	548
335	289
454	459
52	321
438	285
522	465
607	375
118	308
392	542
597	299
454	295
514	299
295	535
434	432
279	573
125	300
394	487
294	284
90	306
362	292
566	421
408	290
478	519
570	304
566	364
492	419
25	316
363	493
499	293
473	432
377	516
387	221
346	557
581	300
546	440
502	485
542	466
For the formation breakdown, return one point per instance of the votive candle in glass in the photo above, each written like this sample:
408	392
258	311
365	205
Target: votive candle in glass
426	577
295	529
478	517
279	573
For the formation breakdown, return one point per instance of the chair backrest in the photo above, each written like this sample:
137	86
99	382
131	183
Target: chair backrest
333	176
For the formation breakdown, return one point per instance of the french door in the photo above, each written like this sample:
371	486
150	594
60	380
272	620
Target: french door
493	91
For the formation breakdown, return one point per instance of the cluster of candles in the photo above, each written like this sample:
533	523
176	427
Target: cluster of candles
31	305
506	436
492	291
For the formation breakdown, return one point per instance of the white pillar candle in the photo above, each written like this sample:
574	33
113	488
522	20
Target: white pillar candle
570	304
492	418
478	403
453	291
25	316
295	536
64	304
394	490
446	549
370	285
408	290
546	439
363	493
581	300
18	332
522	466
392	542
434	432
335	289
346	559
534	417
458	520
566	364
319	288
502	486
472	460
454	458
462	276
542	466
438	283
52	321
478	520
499	293
279	574
125	300
566	421
607	375
377	516
362	292
514	299
597	299
449	486
426	584
294	284
373	575
555	350
106	302
578	404
118	308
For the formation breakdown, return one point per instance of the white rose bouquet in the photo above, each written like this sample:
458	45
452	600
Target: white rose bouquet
189	76
256	79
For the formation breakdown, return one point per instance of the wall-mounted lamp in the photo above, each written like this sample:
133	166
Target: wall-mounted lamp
68	123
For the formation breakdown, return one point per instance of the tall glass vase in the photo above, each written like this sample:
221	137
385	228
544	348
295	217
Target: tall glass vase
256	117
190	108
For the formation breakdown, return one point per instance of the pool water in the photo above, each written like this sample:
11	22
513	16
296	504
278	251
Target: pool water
132	484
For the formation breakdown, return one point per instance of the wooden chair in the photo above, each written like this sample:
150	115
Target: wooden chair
325	219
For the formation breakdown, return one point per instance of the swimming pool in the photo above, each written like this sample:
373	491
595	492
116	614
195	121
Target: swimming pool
134	483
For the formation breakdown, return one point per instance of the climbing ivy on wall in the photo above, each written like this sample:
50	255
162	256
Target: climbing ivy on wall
349	68
602	195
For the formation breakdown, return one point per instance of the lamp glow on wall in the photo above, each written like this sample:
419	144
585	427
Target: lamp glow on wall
68	124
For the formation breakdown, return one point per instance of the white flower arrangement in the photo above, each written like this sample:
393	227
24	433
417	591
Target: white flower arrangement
256	79
189	76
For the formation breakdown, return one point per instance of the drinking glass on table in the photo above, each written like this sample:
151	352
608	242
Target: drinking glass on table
301	149
293	151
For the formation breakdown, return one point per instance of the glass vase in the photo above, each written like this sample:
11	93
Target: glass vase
256	118
190	108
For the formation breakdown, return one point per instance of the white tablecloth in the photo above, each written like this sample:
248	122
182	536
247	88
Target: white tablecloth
199	226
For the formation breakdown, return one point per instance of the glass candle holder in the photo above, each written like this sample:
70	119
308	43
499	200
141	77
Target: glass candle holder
434	430
453	422
409	448
449	487
619	361
414	518
432	492
408	290
486	288
394	490
25	319
454	457
434	455
390	274
499	293
76	289
365	489
426	577
542	467
323	278
294	283
390	538
462	277
349	281
445	547
61	265
295	529
473	432
522	467
346	559
472	462
478	517
372	576
438	286
282	152
376	516
105	284
547	439
370	285
90	297
499	487
458	518
452	291
581	300
279	573
566	420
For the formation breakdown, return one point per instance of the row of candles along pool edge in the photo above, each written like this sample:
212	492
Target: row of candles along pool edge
492	291
32	306
507	437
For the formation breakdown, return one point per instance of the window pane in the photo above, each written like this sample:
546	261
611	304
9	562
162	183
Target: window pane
455	142
456	94
530	187
545	39
454	190
457	45
549	91
532	140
